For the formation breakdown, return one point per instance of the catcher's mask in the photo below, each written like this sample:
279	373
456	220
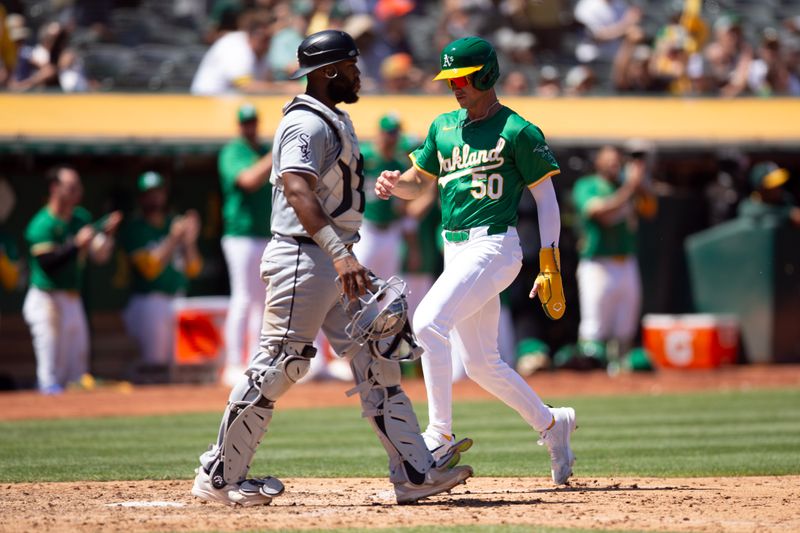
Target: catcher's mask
380	318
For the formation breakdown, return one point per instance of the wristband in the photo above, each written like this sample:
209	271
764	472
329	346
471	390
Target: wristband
327	239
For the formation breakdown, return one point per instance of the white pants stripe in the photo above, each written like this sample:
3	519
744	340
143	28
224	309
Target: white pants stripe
243	322
610	298
60	336
461	312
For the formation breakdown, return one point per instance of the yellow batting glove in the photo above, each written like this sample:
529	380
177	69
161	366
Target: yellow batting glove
550	288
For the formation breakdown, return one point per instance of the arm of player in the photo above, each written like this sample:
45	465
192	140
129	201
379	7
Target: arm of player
610	209
299	191
103	241
194	261
548	285
150	263
52	257
408	185
255	176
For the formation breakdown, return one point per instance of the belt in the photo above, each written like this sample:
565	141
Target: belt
464	234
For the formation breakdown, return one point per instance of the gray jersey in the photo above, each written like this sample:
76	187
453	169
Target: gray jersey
313	139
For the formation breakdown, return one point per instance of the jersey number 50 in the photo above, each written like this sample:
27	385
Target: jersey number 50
483	186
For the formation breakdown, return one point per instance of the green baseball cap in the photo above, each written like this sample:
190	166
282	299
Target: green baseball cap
247	112
390	122
149	180
768	175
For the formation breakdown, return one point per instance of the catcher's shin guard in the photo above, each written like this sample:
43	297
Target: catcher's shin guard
246	419
389	410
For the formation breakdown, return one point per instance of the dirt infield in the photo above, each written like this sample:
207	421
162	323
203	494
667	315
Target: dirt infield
697	504
702	504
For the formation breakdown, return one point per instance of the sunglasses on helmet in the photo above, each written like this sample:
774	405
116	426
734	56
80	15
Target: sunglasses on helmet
458	83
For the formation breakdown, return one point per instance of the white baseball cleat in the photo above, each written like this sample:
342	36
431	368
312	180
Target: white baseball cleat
437	480
247	493
445	449
557	441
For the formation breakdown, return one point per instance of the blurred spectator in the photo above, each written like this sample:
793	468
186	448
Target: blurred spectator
238	61
607	204
244	166
606	23
517	47
361	28
223	19
59	238
8	52
44	59
671	63
515	83
399	74
71	76
579	81
163	253
19	34
462	18
728	56
289	31
546	19
769	74
631	67
769	198
549	85
325	15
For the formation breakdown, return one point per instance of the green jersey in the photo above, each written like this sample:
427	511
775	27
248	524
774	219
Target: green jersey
377	211
243	213
138	236
598	240
44	233
483	167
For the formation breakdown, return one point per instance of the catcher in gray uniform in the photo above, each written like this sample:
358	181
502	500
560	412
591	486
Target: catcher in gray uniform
318	201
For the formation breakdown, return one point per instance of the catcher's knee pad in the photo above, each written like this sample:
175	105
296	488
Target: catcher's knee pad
393	418
245	421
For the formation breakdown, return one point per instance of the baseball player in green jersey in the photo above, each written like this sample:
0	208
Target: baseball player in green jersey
381	231
608	205
163	253
60	237
244	167
483	156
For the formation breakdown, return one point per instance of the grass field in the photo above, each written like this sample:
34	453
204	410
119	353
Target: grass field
709	434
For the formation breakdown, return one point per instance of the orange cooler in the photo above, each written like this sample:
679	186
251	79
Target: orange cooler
691	341
199	325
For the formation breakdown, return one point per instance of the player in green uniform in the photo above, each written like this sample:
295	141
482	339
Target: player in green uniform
381	231
60	237
163	252
483	157
608	204
244	167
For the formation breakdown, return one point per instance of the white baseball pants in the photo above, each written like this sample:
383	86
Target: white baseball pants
149	318
60	336
243	322
610	297
379	249
461	312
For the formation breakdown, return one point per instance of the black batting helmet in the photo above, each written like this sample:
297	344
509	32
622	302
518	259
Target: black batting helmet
324	48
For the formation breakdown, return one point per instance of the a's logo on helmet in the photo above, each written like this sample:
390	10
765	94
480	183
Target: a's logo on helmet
447	60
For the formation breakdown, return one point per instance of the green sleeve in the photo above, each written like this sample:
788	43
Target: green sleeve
82	215
534	159
426	157
232	161
39	231
582	193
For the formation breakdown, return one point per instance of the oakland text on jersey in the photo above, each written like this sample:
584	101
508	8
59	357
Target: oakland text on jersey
466	158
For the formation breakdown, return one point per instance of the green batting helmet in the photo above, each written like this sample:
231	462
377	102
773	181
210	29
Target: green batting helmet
470	55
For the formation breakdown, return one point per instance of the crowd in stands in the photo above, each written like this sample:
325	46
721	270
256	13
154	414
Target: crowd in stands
547	47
